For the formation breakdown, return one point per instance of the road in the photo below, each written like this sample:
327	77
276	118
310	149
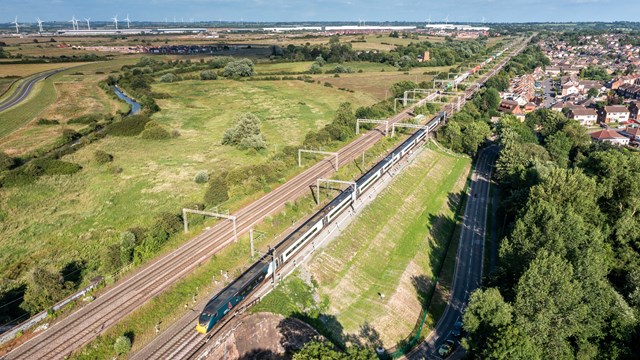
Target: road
23	89
469	258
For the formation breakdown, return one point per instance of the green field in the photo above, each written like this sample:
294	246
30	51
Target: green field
64	218
393	248
62	96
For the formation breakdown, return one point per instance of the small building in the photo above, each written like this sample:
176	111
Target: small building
586	116
510	107
615	113
610	136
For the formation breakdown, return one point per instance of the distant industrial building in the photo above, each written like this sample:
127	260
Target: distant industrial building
456	27
69	32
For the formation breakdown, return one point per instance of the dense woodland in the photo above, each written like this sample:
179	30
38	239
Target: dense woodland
568	278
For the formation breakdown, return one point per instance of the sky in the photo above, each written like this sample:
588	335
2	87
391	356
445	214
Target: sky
324	10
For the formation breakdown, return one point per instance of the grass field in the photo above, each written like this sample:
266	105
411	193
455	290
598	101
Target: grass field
61	218
393	249
23	70
62	96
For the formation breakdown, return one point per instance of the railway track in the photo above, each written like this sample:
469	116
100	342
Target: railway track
184	328
79	328
110	307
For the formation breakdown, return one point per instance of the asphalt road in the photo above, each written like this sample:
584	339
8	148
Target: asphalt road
24	88
469	259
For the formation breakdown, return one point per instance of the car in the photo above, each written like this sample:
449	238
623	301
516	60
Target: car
457	329
446	348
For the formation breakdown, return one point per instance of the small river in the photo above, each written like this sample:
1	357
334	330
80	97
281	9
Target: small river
135	106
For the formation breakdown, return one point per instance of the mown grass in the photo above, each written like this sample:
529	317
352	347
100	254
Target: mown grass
59	219
24	70
397	239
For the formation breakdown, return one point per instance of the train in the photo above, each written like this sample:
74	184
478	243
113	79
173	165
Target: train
233	294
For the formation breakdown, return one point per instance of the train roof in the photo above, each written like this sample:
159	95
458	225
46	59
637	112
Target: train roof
237	285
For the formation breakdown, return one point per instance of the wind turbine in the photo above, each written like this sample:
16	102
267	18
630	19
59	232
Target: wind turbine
483	19
115	20
446	20
128	21
74	22
429	19
88	24
39	24
17	26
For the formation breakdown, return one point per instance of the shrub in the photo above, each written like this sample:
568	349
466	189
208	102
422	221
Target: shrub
129	126
245	134
122	345
168	78
239	68
155	133
85	119
208	75
327	84
47	122
175	133
201	177
217	192
6	161
102	157
70	135
127	244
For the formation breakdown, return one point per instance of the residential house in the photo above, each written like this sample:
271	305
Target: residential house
615	113
609	136
529	107
632	133
510	107
586	116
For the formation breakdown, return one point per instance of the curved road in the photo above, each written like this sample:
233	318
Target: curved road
469	258
24	88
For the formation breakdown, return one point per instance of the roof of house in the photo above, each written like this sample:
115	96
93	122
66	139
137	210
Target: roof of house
616	108
583	111
606	135
633	131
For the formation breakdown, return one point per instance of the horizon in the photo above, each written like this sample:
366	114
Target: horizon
259	11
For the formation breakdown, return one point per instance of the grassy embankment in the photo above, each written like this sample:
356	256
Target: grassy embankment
393	248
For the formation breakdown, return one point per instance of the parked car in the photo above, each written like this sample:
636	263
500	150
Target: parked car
446	348
457	329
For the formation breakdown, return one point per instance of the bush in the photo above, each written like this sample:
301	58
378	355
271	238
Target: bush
129	126
245	134
168	78
208	75
122	345
156	133
201	177
239	68
102	157
47	122
86	119
217	192
327	84
6	161
127	244
69	135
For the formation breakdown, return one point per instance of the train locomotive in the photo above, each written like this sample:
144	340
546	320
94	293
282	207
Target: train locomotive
233	294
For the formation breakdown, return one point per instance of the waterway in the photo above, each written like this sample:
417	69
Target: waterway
135	106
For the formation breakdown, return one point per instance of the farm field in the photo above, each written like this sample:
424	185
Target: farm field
63	96
62	218
377	272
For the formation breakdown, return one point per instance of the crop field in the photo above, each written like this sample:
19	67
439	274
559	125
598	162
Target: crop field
378	270
63	96
62	218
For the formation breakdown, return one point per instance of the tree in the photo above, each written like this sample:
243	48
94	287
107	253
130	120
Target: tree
208	75
490	100
127	244
122	345
400	87
44	288
314	350
548	305
486	313
559	145
245	134
168	78
315	68
217	191
593	92
239	68
474	135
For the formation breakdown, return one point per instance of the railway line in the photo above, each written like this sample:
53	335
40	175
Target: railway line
184	329
111	306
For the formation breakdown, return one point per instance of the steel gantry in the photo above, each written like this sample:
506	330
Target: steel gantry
370	121
319	180
212	214
300	151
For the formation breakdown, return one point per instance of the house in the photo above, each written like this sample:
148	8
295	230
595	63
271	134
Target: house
609	136
586	117
632	133
615	113
569	89
585	85
529	107
510	107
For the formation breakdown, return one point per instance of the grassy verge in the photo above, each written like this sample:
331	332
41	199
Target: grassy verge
390	249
